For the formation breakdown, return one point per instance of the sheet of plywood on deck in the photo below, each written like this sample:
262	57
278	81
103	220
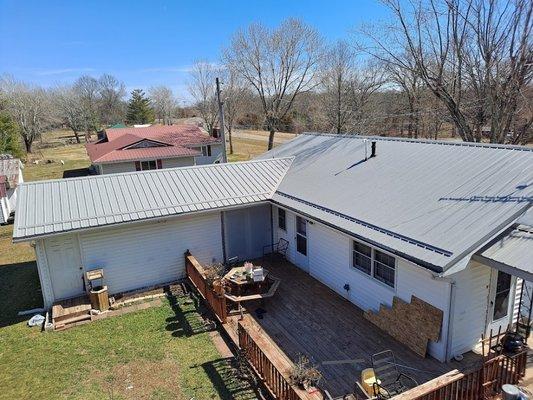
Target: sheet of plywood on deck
305	317
412	324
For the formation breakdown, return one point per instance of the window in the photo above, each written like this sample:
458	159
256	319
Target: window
148	165
206	151
384	266
362	257
301	235
501	298
282	223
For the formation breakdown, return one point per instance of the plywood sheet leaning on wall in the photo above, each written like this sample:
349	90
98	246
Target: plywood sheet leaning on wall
412	324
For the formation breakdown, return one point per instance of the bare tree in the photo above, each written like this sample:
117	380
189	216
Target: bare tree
29	106
87	91
164	103
473	55
202	88
278	63
234	95
68	107
110	100
337	75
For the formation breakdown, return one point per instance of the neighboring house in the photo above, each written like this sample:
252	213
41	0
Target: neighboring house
373	218
10	178
153	147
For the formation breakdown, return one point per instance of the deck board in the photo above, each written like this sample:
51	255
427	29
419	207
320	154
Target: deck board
305	317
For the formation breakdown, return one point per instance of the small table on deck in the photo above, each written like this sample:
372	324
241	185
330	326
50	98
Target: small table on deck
237	276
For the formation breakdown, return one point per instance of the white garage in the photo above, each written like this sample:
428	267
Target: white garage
137	226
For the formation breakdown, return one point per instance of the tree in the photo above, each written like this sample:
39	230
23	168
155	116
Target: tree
9	135
234	95
69	109
471	54
164	103
86	90
29	107
279	64
202	88
139	108
337	75
111	107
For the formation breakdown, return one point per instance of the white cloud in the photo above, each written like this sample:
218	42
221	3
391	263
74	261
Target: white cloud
63	71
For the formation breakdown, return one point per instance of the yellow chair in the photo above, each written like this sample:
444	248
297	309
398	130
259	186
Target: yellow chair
368	378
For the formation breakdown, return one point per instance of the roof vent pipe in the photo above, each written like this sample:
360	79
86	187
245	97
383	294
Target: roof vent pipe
373	151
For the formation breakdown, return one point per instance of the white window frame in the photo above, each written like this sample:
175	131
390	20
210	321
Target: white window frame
373	261
284	219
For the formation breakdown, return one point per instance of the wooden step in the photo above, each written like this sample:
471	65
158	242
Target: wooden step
71	320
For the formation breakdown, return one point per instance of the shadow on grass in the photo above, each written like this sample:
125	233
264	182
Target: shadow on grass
229	383
19	290
188	318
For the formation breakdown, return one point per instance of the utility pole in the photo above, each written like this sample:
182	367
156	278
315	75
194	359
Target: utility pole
221	119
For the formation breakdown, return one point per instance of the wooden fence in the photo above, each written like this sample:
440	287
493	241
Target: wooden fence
196	275
269	363
478	384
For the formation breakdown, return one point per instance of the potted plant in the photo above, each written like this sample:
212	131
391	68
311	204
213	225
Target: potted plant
304	374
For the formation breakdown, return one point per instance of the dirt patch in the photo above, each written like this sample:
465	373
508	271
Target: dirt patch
141	380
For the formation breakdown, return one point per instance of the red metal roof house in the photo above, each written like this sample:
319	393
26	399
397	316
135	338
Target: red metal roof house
153	147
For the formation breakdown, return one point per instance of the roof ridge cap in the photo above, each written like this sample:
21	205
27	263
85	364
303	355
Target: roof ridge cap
421	141
156	171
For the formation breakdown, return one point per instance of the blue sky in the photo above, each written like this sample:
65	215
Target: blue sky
147	43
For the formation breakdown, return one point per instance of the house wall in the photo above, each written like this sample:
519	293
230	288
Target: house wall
247	230
330	261
178	162
115	168
135	255
4	214
472	306
471	296
216	151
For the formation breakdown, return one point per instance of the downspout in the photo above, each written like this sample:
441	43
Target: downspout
451	306
223	235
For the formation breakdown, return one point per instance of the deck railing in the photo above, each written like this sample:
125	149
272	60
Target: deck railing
270	364
196	275
480	383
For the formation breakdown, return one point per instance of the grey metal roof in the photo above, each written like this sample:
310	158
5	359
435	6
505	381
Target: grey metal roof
511	252
57	206
433	202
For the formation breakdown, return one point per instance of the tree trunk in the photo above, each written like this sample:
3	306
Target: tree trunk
28	144
77	135
230	141
271	138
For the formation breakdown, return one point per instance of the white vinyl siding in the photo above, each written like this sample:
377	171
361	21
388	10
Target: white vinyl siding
177	162
129	166
3	210
470	307
216	151
330	261
137	256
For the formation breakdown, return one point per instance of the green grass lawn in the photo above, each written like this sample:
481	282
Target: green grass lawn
158	353
162	352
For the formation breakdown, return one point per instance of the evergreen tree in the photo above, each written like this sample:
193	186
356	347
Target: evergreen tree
9	136
140	109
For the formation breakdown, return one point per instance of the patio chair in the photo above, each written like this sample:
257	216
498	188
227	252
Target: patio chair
389	380
276	249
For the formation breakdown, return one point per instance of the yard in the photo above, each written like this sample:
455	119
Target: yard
162	352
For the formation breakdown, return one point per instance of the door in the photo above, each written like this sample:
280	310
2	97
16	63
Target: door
500	300
66	272
300	258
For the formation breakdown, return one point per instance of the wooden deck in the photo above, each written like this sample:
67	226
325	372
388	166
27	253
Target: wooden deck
305	317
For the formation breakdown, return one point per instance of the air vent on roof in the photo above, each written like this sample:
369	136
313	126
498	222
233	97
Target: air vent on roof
373	153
